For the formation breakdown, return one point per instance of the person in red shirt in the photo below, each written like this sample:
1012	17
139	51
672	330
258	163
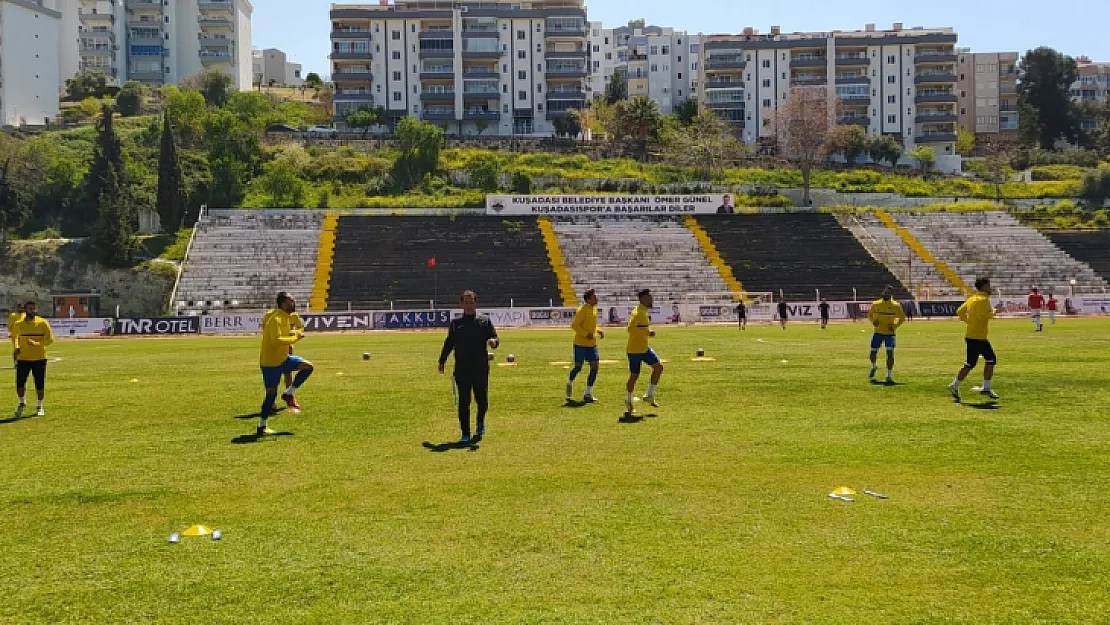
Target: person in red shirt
1051	307
1036	304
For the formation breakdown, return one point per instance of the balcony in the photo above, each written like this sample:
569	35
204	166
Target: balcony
477	28
437	54
565	54
215	57
562	106
475	91
149	5
89	16
855	120
439	114
851	60
437	73
480	72
350	34
348	55
935	58
215	6
215	22
809	61
479	54
853	80
937	137
566	71
152	75
809	81
348	75
426	35
723	84
96	50
564	31
354	96
855	99
481	114
937	118
726	61
934	77
210	41
439	95
936	98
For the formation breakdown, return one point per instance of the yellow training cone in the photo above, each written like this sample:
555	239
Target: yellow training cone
197	530
844	490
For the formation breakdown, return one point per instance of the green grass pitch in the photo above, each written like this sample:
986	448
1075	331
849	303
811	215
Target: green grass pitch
715	511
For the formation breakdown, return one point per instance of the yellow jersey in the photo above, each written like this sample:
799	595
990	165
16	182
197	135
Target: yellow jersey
886	315
977	312
295	321
585	325
13	318
277	335
31	338
639	327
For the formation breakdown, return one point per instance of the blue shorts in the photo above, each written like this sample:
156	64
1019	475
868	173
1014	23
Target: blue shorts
647	358
878	340
271	376
585	354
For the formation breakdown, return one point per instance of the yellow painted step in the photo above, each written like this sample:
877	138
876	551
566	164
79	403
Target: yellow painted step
953	278
558	263
714	256
321	282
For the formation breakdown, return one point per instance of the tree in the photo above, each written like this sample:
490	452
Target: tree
572	121
801	125
1096	186
1097	114
214	85
484	171
522	183
171	182
1044	96
188	111
313	80
112	232
884	148
326	97
559	125
12	212
364	118
86	84
481	125
925	156
420	144
637	120
965	142
707	143
847	140
234	155
999	154
129	101
281	181
617	89
686	111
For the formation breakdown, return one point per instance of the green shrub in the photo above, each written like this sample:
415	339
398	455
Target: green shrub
1057	172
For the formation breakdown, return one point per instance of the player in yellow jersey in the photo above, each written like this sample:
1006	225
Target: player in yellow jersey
977	313
887	316
639	331
14	317
31	336
291	400
586	334
274	360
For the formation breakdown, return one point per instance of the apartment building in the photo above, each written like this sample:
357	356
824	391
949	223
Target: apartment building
988	92
272	66
657	62
899	82
156	41
1094	82
505	65
29	33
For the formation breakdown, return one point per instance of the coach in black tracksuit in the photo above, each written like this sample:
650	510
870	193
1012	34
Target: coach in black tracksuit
468	336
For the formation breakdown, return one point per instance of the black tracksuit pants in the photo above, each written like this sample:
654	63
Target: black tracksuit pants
478	384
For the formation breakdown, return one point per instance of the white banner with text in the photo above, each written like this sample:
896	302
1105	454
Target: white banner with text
613	205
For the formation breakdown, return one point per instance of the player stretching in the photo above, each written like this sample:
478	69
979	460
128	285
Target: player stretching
783	313
14	317
742	314
977	312
824	308
30	338
1051	307
1036	304
887	316
278	336
289	399
639	330
586	334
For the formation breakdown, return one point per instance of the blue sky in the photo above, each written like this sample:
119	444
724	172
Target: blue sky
1076	27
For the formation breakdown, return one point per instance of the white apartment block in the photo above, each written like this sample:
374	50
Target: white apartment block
156	41
899	82
508	65
29	35
1094	82
659	63
272	66
988	92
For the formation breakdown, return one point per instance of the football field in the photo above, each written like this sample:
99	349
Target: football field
715	510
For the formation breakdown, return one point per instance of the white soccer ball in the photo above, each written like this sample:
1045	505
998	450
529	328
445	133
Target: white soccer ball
701	352
366	355
510	358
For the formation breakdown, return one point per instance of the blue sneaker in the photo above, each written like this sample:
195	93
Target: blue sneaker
464	440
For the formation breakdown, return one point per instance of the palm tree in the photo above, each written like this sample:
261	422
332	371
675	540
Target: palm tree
639	119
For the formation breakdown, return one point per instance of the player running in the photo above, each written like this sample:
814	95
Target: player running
742	314
278	335
977	312
1051	307
14	317
783	313
1036	304
639	331
824	308
887	316
586	334
31	335
290	399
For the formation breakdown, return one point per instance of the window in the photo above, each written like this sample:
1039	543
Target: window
522	95
539	88
539	107
504	88
608	56
522	75
766	63
414	28
890	80
892	99
680	93
680	75
680	59
539	68
665	49
396	35
606	41
396	96
767	103
891	60
521	35
597	65
506	108
655	68
654	50
892	119
396	75
766	83
396	55
521	54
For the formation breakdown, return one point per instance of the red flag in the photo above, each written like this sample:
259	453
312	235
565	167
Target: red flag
432	261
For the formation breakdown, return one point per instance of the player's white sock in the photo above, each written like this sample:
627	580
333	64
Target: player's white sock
40	405
955	382
986	385
651	390
292	390
22	401
628	398
889	373
589	390
262	423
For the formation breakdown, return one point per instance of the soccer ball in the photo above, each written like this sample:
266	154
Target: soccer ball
366	355
701	352
510	358
489	356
